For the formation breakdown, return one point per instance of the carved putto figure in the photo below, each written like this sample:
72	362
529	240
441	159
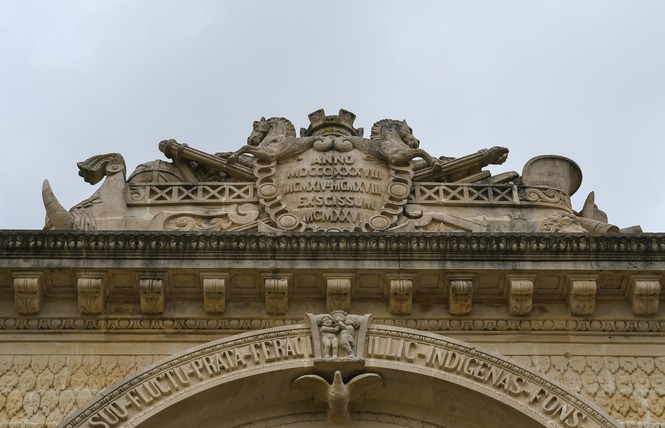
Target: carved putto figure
337	335
329	179
329	334
347	330
338	330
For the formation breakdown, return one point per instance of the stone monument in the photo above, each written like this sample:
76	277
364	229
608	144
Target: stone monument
329	179
330	279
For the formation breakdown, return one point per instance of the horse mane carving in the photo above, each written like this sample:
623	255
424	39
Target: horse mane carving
275	126
393	142
273	139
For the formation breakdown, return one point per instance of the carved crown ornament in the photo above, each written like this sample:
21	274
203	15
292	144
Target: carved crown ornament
330	178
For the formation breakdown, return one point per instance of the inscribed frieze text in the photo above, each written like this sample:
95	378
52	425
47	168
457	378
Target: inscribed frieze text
196	370
478	369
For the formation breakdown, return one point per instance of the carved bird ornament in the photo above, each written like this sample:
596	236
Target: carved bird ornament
338	395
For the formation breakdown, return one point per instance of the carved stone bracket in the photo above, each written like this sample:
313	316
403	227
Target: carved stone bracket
338	293
214	294
644	296
91	292
519	294
151	292
401	295
582	295
277	295
460	295
28	292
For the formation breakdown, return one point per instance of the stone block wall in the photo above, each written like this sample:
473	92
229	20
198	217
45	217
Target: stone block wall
41	390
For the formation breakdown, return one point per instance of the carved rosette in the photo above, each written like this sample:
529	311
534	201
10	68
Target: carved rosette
329	190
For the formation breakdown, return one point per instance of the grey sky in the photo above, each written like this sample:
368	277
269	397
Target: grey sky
582	79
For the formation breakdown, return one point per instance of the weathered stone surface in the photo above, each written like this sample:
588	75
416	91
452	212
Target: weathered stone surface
330	179
91	292
582	295
460	296
401	296
214	294
28	292
248	246
151	292
519	291
277	295
645	296
338	293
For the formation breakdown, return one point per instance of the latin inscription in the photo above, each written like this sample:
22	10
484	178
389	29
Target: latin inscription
452	360
334	188
477	370
197	370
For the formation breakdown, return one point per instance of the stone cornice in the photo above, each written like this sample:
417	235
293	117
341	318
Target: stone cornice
18	244
190	276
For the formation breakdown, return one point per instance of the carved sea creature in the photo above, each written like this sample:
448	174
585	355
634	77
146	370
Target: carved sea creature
337	394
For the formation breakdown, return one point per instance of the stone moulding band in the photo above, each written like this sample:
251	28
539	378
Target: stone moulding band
391	348
237	325
19	244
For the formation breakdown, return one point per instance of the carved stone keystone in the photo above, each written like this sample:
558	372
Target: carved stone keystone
338	294
644	296
582	295
460	294
151	292
91	293
214	295
338	336
401	296
276	295
28	292
519	294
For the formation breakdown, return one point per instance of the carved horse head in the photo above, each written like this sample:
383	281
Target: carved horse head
394	130
265	129
259	132
396	142
406	133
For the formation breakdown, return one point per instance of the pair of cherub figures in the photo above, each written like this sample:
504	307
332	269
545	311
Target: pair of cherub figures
338	331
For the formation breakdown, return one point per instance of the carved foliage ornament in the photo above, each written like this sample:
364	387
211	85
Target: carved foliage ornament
28	293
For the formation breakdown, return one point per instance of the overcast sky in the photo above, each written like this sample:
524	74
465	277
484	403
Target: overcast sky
582	79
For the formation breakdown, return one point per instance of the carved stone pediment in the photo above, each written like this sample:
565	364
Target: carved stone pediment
330	179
